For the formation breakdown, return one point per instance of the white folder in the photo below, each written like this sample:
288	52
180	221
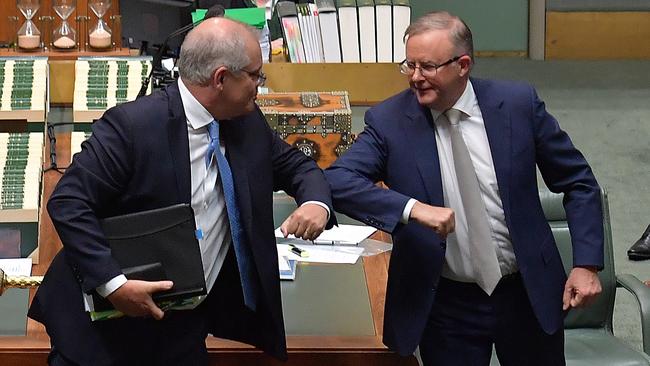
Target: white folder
367	30
329	29
384	18
401	20
349	30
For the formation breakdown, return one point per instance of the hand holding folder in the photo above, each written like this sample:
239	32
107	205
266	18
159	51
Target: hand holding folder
155	245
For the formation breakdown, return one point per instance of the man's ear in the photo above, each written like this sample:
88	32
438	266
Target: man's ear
465	63
219	76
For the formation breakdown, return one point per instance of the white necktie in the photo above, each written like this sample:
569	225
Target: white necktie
482	254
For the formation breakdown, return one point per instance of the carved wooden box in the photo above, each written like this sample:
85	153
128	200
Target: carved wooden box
317	123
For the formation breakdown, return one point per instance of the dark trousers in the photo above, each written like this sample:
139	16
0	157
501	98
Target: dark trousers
465	323
177	339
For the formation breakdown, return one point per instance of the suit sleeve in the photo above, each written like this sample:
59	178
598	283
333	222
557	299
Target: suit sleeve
298	175
88	188
565	170
353	179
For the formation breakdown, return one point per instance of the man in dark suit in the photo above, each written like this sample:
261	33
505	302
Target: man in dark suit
162	150
474	263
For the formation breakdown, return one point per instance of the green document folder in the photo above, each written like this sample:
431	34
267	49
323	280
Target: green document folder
254	17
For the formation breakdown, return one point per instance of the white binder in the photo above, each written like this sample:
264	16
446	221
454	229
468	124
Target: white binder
367	30
329	29
384	18
349	30
401	20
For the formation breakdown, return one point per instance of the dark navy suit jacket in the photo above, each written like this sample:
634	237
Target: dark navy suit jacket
138	159
398	147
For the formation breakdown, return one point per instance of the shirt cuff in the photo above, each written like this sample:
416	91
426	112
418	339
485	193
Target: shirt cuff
110	286
321	204
406	214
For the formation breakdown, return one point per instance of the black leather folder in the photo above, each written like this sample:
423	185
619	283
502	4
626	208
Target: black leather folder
157	245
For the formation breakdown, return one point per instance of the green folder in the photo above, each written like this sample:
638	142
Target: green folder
254	17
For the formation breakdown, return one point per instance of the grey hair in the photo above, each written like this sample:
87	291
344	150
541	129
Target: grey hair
459	33
204	52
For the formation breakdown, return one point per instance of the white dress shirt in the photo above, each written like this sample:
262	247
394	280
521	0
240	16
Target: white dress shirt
458	265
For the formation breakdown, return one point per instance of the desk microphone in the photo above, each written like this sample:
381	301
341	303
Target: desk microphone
214	11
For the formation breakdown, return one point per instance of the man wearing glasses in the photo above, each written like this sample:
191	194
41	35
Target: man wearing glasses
200	141
474	263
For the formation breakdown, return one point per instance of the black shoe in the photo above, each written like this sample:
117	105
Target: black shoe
641	249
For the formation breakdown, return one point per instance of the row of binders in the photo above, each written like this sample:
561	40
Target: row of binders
350	31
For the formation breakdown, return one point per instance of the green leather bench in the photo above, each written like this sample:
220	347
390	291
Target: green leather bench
589	339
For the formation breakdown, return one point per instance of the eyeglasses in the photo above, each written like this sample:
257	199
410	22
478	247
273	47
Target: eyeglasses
259	77
427	70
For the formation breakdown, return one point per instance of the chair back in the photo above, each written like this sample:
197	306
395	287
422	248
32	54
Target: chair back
599	314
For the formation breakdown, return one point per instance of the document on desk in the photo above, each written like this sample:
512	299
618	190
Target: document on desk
319	253
287	268
16	266
339	235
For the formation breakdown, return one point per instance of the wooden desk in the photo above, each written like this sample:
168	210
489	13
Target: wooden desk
32	349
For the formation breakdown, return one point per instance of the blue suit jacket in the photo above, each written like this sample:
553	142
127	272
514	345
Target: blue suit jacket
398	147
138	159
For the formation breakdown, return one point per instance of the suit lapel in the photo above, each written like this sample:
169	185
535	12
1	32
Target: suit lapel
499	133
421	137
178	143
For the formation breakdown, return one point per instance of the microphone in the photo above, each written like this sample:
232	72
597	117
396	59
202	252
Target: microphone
214	11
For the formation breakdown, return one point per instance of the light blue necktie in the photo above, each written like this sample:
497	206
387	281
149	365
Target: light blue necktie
242	250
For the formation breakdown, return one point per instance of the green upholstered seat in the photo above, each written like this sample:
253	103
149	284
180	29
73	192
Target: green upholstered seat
589	339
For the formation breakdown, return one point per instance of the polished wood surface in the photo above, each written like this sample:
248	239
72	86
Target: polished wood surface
367	84
303	350
593	35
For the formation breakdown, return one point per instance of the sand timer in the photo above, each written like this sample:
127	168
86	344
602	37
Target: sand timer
64	36
29	37
100	35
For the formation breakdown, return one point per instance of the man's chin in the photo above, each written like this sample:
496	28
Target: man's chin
426	99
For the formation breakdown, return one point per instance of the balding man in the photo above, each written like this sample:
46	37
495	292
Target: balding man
168	148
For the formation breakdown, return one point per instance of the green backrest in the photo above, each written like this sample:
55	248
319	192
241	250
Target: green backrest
599	314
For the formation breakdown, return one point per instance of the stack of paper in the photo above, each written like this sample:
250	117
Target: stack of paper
320	253
339	235
287	268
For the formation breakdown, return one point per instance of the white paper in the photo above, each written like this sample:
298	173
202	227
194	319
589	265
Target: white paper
283	263
16	266
322	254
339	235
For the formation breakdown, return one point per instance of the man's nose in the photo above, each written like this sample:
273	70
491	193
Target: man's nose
417	75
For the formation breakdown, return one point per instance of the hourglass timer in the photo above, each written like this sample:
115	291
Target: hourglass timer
64	36
29	37
100	35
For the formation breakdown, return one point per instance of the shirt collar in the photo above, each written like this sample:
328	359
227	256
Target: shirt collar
196	114
465	103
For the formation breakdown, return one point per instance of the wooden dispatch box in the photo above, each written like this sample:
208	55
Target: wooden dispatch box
317	123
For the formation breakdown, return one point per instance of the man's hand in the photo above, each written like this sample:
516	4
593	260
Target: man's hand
581	288
133	298
440	219
306	222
